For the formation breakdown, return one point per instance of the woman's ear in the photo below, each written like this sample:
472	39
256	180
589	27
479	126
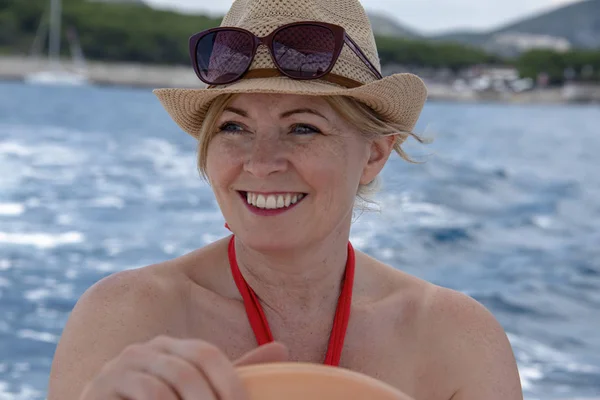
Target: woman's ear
380	150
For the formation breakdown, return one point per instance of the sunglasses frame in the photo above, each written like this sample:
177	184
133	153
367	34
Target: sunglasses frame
339	33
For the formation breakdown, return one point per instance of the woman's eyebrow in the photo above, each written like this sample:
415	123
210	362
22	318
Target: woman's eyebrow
302	111
286	114
236	111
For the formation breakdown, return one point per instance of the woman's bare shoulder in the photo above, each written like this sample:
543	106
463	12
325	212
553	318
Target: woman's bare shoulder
139	293
391	284
432	301
461	340
443	311
463	347
468	340
124	308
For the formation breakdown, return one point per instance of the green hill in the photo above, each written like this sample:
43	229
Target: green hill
579	23
383	25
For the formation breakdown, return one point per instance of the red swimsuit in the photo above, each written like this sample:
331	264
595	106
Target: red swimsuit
258	321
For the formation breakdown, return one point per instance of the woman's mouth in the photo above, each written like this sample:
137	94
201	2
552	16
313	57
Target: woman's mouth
272	201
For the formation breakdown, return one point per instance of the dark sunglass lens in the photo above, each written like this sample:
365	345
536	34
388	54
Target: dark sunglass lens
224	56
304	51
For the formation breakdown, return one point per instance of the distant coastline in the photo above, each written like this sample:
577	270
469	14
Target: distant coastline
15	68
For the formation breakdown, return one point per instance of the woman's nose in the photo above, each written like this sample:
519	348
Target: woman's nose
266	156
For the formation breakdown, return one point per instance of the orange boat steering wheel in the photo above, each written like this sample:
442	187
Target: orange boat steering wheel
300	381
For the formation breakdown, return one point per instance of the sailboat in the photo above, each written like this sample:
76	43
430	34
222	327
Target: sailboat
55	73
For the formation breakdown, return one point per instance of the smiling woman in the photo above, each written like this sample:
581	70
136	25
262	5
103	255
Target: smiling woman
271	146
287	140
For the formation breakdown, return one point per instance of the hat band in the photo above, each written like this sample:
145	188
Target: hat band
273	72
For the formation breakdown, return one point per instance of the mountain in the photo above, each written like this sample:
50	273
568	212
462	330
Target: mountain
579	23
386	26
576	25
467	37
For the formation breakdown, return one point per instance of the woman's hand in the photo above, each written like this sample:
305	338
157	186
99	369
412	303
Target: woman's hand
165	368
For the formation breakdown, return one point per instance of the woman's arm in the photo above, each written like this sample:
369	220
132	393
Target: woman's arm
474	347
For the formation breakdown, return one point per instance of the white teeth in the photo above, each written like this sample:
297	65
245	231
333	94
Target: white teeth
261	201
272	201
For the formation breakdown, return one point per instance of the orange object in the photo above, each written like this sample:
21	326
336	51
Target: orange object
304	381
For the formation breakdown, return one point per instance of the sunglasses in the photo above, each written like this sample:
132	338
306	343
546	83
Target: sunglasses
300	50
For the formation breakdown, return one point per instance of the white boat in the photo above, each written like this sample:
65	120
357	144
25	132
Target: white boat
57	77
54	73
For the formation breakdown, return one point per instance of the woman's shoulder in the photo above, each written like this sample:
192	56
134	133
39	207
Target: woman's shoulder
433	302
119	310
384	283
155	288
444	318
446	315
461	345
140	288
124	308
465	343
147	299
127	307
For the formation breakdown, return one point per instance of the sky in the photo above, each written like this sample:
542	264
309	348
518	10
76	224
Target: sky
425	16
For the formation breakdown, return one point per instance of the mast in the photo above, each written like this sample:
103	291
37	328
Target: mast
54	37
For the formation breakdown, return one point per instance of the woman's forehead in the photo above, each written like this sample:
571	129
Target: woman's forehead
251	101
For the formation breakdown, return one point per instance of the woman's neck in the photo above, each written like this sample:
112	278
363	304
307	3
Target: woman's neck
307	280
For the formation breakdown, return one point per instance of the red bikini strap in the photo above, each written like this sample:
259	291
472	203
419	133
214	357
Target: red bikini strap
258	320
256	315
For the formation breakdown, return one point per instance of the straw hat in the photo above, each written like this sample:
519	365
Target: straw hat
399	98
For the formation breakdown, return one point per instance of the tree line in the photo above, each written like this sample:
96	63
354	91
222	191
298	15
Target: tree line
136	33
576	65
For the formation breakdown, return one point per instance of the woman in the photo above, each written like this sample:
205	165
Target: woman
287	141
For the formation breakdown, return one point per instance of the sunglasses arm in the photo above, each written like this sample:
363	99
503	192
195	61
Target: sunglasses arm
354	47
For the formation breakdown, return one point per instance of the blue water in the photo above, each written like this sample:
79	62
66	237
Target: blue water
506	209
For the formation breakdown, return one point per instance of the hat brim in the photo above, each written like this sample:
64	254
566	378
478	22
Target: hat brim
399	98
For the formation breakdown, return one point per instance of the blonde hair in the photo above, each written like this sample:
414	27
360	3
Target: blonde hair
361	116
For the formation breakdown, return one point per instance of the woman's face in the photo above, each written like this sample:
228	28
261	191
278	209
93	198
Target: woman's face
285	169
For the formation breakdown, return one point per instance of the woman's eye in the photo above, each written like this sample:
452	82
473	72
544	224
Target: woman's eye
231	127
304	129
